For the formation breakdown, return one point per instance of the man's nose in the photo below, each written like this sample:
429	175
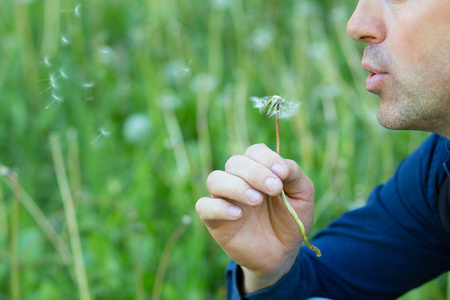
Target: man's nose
367	22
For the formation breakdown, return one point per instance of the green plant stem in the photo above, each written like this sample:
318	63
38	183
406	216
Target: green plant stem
288	205
15	283
164	262
72	225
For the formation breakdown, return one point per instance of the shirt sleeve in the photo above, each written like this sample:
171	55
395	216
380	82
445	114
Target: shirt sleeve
380	251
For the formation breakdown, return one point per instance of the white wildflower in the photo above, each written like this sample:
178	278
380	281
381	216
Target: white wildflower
276	105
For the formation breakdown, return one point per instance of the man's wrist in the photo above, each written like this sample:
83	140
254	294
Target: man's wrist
253	282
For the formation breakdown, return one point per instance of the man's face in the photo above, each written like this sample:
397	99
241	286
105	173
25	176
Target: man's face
408	57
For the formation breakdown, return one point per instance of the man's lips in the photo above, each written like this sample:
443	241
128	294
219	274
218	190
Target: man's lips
375	78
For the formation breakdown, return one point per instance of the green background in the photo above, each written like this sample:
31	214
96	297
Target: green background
123	225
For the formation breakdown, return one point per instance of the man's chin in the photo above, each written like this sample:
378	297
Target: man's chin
390	120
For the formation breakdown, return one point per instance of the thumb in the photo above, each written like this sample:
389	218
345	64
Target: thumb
297	184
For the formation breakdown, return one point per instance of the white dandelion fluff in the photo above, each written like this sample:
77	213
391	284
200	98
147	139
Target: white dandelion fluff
78	10
137	128
88	84
47	61
65	40
276	105
63	74
55	99
103	132
187	69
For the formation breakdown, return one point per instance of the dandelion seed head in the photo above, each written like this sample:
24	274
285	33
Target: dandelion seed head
220	4
262	38
186	220
204	82
5	171
169	100
276	105
137	128
174	71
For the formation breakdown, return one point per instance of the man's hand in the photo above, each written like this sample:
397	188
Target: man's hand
248	219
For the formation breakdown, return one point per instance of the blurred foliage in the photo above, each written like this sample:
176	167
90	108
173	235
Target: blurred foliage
168	83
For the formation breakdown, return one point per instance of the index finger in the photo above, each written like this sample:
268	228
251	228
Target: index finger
268	158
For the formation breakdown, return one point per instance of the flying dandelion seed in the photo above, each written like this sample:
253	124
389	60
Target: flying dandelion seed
103	132
63	74
55	100
76	10
65	40
53	84
52	78
89	84
88	94
47	62
187	69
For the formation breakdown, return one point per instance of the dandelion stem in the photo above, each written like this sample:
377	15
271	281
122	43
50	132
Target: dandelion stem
288	205
277	123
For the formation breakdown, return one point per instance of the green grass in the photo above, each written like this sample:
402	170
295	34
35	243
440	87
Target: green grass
102	233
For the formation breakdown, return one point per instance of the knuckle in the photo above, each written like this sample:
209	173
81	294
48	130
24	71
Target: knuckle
212	178
255	172
232	161
254	148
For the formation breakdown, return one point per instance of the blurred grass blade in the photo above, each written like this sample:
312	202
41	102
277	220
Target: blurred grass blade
14	257
71	219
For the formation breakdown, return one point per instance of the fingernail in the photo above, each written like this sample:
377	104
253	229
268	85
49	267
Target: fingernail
234	211
278	169
271	184
253	196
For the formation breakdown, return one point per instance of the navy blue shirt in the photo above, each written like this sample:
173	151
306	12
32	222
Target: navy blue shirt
380	251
